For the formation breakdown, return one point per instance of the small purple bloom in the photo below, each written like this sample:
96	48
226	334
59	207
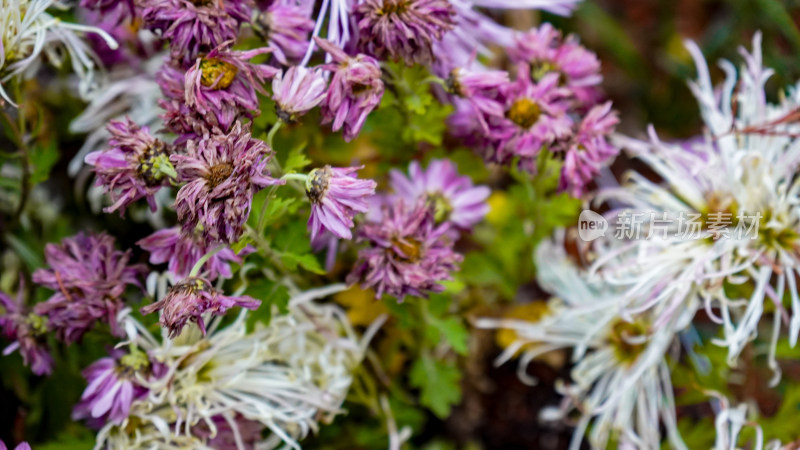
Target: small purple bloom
223	84
114	386
89	277
403	30
285	26
189	299
248	432
222	172
589	149
28	331
182	252
136	165
195	26
408	254
296	91
355	90
453	197
545	52
336	195
116	11
479	89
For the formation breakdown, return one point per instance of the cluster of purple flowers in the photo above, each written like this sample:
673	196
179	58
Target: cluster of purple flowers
552	104
410	233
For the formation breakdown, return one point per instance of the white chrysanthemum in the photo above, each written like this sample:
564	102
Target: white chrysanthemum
28	31
620	383
739	177
288	377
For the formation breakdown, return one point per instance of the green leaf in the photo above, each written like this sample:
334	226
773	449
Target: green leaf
43	158
454	332
272	295
307	261
439	384
297	160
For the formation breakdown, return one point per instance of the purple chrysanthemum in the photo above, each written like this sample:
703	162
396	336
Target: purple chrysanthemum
355	90
296	91
20	446
588	149
224	84
89	277
403	30
545	52
189	300
248	432
113	387
285	26
408	254
336	195
136	165
222	172
452	196
178	117
28	332
195	26
480	90
114	11
182	252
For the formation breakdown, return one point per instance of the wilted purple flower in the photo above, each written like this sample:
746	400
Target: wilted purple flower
189	300
28	332
453	197
408	254
194	27
115	11
223	84
222	172
113	387
355	90
136	165
403	30
480	90
588	149
178	117
183	251
285	26
336	195
296	91
89	277
535	116
545	52
20	446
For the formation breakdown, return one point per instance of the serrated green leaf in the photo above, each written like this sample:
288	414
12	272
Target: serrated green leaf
454	332
307	261
43	158
297	159
439	384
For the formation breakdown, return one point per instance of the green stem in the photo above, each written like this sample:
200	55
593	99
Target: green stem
273	131
199	264
295	176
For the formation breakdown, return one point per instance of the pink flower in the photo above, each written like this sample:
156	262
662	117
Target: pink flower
222	173
589	149
285	27
189	300
336	196
355	90
297	91
182	252
28	331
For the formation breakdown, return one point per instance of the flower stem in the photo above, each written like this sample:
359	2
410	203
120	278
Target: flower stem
273	131
199	264
295	176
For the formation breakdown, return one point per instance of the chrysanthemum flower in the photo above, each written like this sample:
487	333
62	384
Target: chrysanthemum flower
480	89
296	91
195	27
136	165
20	446
28	331
545	51
336	195
224	84
27	31
182	252
286	27
453	197
407	252
116	11
355	90
403	30
222	173
189	299
89	277
113	386
588	149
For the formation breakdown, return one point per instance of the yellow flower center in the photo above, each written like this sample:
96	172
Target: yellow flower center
394	7
214	70
219	173
411	249
524	112
627	340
